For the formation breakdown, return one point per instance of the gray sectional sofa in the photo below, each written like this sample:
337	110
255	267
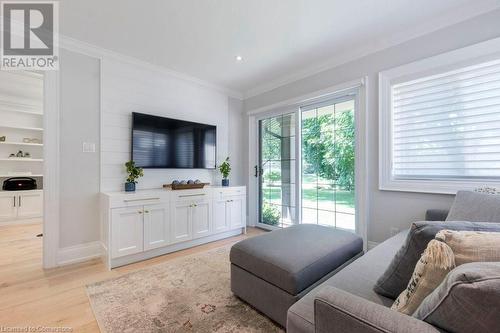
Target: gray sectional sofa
340	303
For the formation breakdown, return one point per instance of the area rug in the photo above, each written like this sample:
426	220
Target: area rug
189	294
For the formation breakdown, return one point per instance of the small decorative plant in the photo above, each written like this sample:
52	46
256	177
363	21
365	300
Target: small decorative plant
134	173
225	169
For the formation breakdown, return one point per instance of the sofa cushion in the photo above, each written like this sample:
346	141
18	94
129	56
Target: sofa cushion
357	278
468	300
295	258
475	207
395	279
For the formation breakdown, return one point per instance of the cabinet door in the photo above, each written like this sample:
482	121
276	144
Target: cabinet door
201	219
156	226
221	221
126	231
236	212
8	206
30	205
180	222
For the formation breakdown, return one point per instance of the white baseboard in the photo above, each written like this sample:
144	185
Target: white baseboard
371	245
78	253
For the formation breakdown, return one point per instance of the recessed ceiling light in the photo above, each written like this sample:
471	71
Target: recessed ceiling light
239	58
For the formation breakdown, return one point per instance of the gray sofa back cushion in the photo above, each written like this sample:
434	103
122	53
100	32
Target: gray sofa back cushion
475	207
468	300
398	274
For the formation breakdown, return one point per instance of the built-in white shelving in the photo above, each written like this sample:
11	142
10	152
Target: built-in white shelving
21	143
22	128
20	175
21	122
21	159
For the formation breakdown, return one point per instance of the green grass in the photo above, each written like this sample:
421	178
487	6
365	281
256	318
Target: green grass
345	198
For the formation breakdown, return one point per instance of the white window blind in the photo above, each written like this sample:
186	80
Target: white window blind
447	126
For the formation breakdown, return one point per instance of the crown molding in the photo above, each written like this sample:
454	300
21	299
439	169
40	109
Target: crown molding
94	51
448	19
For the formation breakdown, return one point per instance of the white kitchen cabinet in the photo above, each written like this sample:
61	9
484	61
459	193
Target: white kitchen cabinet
156	226
127	231
17	205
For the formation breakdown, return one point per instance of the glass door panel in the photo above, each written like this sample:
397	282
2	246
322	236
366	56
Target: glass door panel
328	146
276	171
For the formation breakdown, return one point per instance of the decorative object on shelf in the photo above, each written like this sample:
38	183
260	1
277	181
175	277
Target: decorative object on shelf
19	184
183	185
31	140
27	155
190	181
12	155
20	154
3	138
225	169
134	173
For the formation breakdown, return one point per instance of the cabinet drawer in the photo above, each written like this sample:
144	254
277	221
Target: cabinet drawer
190	195
222	193
136	200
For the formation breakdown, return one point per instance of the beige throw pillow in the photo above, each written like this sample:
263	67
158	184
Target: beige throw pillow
472	246
448	250
431	269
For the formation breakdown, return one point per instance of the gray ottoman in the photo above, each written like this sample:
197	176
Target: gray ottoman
274	270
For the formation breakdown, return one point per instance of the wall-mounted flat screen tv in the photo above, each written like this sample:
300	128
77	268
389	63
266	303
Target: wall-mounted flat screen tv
165	143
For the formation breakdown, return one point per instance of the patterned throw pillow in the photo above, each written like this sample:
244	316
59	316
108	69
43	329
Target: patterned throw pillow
432	267
448	250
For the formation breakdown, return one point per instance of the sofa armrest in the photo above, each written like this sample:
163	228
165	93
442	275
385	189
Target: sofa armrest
436	214
337	311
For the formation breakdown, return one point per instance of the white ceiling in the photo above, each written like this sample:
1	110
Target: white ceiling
279	40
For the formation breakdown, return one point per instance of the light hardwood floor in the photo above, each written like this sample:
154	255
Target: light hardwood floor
32	296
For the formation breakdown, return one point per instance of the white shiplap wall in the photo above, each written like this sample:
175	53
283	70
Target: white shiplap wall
128	88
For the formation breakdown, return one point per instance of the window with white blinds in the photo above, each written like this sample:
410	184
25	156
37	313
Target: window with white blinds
447	126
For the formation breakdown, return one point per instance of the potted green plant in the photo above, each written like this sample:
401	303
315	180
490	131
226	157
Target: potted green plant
225	169
134	173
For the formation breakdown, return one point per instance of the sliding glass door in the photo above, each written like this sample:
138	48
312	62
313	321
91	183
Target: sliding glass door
328	163
276	170
306	167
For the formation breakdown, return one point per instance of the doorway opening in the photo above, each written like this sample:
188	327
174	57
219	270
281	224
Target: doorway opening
21	164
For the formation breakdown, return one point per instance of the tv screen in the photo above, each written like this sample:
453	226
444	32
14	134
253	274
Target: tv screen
166	143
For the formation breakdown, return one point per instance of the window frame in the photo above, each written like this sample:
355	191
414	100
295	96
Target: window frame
475	54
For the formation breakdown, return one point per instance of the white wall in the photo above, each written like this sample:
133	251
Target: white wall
237	142
79	172
128	88
98	93
389	209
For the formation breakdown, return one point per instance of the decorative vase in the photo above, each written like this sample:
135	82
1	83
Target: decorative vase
225	182
129	187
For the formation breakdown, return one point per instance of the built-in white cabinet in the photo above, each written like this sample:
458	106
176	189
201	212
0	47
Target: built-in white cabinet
156	226
229	209
201	218
127	236
181	221
16	205
148	223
